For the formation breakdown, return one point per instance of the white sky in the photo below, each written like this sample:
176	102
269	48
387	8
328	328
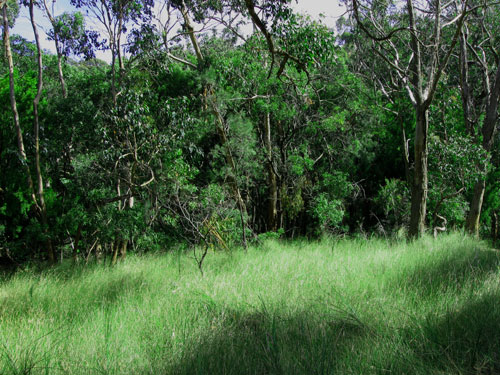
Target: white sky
329	9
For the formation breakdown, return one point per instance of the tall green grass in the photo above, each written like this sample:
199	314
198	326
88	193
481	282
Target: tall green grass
347	307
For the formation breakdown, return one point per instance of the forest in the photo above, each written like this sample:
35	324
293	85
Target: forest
232	187
218	123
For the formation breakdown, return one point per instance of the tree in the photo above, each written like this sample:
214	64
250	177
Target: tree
481	96
115	16
36	133
419	60
71	38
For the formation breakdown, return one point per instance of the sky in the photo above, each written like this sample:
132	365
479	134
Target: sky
329	9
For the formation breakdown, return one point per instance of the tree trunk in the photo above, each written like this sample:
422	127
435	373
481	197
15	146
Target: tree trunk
420	178
489	130
113	75
36	131
472	222
77	243
190	30
272	200
59	66
115	246
121	65
124	245
123	249
13	105
406	153
58	49
494	227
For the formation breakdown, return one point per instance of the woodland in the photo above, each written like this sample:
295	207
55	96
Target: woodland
242	189
221	123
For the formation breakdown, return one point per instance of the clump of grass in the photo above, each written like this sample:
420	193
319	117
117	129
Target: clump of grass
353	306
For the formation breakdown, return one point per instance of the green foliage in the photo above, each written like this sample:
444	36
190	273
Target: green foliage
393	199
453	165
143	154
12	12
72	36
328	212
270	236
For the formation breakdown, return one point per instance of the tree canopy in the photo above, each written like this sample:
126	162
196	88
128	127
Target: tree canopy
203	133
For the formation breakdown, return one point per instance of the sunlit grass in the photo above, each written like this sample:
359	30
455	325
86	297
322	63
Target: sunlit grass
342	307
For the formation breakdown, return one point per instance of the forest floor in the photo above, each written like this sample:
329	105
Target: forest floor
344	307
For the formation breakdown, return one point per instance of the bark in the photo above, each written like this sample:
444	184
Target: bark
36	131
123	249
272	200
121	64
472	221
124	244
115	246
118	45
420	176
406	154
113	75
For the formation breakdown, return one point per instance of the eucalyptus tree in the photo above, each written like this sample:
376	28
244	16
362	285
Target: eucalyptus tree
70	38
7	23
416	41
480	89
36	134
210	97
55	36
37	194
116	17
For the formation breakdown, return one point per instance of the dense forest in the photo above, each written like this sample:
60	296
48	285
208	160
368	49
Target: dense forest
218	123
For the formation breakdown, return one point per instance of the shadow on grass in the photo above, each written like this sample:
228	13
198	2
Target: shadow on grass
104	294
464	341
451	270
31	356
267	343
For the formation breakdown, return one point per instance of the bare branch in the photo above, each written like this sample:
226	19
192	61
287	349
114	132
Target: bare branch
182	61
367	32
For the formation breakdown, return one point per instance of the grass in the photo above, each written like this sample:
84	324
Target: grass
347	307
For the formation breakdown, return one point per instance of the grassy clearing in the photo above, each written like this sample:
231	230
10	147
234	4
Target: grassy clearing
350	307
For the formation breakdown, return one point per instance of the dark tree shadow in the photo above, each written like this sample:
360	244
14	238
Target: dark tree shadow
452	271
268	343
465	341
104	295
